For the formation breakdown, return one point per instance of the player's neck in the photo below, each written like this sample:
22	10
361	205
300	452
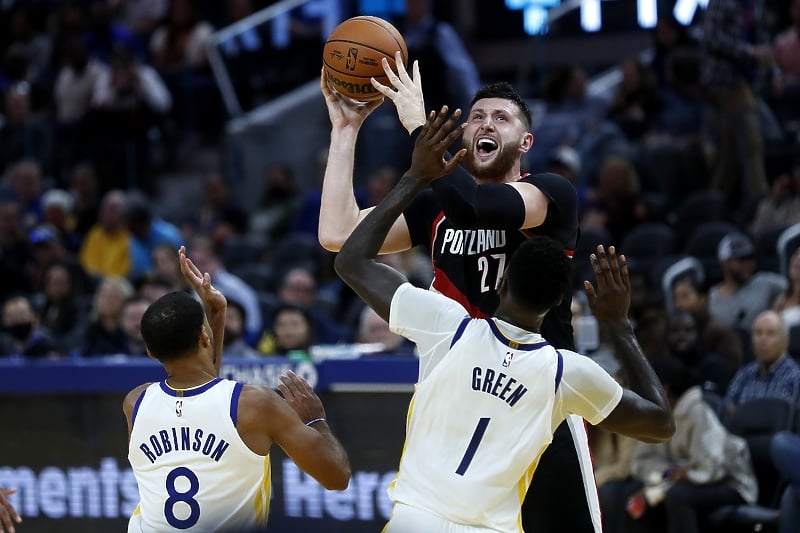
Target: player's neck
524	321
183	376
509	177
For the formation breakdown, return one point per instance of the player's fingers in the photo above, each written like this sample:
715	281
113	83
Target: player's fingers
614	265
454	161
385	90
286	388
623	272
590	292
603	269
452	130
416	74
401	69
393	78
300	382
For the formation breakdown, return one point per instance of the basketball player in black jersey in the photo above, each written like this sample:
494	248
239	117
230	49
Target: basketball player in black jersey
471	222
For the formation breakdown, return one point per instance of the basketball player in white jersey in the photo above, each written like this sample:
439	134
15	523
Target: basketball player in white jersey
491	391
198	444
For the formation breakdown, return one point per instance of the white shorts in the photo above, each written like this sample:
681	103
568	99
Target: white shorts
407	519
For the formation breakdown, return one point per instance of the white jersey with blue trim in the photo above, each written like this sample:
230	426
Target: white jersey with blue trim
488	399
193	470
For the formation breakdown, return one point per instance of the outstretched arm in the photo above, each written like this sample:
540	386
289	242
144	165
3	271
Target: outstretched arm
214	302
643	412
339	212
375	282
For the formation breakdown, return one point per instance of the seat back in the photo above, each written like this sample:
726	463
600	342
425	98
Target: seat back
756	421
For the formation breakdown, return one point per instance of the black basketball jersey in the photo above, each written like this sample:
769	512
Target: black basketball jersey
468	264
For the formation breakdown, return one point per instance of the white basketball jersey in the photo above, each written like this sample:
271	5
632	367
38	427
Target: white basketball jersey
193	470
477	425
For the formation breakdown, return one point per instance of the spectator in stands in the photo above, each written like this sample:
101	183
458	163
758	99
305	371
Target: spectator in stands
167	267
669	36
105	336
781	207
616	204
701	467
60	307
219	217
372	329
785	451
787	50
207	260
22	336
275	214
75	83
151	286
31	44
84	190
25	178
715	336
25	132
774	374
380	182
734	41
788	304
106	250
708	369
47	248
636	103
743	293
57	213
292	330
233	344
132	311
299	288
147	231
180	43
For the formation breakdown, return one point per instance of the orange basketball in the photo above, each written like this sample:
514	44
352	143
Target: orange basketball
353	53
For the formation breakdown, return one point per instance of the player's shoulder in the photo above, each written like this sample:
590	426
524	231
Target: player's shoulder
257	397
133	396
551	183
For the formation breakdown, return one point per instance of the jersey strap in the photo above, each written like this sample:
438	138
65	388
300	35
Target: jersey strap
560	369
460	330
237	390
136	406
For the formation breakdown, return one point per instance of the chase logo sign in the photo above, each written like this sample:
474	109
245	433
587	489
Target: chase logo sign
536	15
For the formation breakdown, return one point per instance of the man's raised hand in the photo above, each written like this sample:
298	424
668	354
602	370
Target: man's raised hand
344	111
611	299
406	93
201	283
438	134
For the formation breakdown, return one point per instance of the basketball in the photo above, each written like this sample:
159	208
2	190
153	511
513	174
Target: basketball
353	54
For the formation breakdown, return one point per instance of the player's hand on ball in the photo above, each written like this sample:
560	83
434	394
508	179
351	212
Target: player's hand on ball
406	93
301	397
343	111
611	299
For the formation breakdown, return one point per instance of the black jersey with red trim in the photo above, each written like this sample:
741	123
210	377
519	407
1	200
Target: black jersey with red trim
468	263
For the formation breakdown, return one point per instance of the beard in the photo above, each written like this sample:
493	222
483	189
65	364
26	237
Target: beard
496	170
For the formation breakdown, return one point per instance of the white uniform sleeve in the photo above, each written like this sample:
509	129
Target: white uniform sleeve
425	317
586	390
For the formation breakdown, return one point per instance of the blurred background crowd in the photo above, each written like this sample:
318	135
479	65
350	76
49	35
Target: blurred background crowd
115	149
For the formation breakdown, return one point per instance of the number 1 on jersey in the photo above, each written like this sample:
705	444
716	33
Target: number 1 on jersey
477	435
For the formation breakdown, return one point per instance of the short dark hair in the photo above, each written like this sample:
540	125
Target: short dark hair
504	90
539	273
673	372
171	326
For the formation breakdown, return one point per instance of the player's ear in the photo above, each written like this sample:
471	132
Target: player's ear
526	143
